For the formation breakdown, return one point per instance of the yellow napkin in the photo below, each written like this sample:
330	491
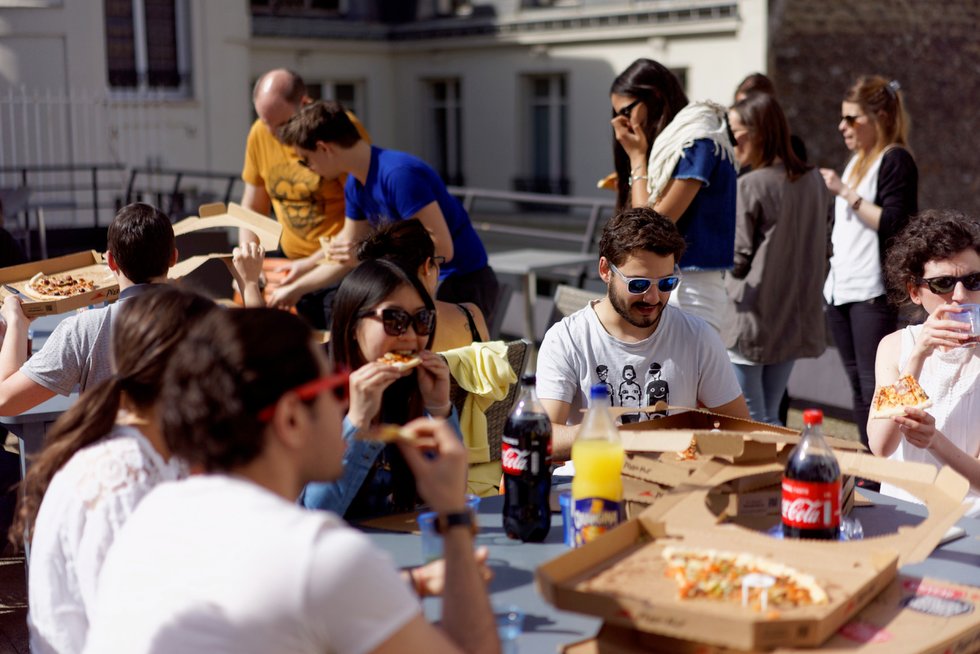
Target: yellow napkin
482	370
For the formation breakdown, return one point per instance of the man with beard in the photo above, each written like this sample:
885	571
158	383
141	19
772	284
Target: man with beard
631	328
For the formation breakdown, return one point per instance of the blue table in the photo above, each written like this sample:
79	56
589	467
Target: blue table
546	628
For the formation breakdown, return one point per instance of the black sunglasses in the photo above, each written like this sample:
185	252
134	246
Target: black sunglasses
438	259
303	162
850	120
946	283
640	285
397	321
627	110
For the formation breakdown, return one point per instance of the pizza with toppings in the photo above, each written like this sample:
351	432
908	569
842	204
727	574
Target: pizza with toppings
401	360
891	400
57	287
719	575
708	575
691	453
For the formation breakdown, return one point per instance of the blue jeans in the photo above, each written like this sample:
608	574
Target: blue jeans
763	387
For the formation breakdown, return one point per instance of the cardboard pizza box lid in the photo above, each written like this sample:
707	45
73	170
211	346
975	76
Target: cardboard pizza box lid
912	614
88	263
233	215
851	572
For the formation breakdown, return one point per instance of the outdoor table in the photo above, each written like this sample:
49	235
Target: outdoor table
528	263
546	628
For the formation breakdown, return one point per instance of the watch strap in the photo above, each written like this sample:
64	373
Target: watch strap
446	521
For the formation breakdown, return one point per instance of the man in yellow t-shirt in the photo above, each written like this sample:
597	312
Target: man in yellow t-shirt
306	205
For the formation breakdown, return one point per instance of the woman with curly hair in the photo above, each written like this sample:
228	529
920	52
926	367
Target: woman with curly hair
875	197
935	264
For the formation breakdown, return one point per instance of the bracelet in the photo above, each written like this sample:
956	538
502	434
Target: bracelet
857	203
637	168
448	406
637	178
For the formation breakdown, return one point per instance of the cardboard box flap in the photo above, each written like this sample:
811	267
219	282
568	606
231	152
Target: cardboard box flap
51	266
190	264
234	215
87	264
687	418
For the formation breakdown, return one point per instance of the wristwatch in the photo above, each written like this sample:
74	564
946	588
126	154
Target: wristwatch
857	203
446	521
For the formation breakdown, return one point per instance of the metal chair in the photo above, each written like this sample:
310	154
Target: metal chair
569	299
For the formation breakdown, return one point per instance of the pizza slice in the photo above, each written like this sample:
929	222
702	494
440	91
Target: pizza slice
713	574
401	360
57	287
890	401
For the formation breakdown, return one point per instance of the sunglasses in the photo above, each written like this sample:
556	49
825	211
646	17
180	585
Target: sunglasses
338	383
303	162
627	110
946	283
640	285
438	260
850	120
397	321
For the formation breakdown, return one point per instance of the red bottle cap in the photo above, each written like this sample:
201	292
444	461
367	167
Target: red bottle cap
812	417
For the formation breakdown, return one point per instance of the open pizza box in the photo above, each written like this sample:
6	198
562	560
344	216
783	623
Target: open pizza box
217	215
587	580
912	614
659	460
88	265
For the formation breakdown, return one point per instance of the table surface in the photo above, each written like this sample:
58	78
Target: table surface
547	628
520	262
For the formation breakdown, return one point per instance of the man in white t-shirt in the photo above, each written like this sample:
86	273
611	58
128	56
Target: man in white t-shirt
227	562
648	353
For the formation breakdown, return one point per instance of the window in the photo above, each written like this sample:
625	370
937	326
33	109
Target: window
300	7
445	130
350	94
147	45
547	135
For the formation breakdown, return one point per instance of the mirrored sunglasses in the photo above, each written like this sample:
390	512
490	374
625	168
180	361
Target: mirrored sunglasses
947	283
640	285
338	383
397	321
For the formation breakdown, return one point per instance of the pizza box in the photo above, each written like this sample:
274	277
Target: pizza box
911	615
218	215
88	264
852	573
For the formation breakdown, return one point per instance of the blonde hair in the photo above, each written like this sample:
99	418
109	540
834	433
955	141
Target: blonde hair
884	104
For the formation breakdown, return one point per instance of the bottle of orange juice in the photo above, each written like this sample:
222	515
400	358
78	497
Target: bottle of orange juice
597	488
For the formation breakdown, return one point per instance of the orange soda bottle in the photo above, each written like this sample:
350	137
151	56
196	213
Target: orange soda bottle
597	488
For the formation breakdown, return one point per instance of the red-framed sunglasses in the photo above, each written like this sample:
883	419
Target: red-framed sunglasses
337	382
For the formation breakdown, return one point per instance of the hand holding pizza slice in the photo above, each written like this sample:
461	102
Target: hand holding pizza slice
401	360
890	401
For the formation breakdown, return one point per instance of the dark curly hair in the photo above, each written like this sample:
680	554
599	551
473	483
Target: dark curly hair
232	364
932	235
640	228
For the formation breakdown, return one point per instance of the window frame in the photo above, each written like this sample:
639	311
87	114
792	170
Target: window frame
184	60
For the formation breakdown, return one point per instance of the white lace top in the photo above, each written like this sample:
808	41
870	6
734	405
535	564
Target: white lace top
950	380
84	507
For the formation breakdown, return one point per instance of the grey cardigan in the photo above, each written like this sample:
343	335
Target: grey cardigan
776	286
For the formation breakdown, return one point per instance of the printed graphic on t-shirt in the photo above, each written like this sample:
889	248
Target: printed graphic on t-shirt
657	390
295	191
628	392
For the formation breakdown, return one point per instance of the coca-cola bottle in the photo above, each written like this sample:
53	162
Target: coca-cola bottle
811	485
526	459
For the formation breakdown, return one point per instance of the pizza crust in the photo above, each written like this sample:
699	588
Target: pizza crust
890	401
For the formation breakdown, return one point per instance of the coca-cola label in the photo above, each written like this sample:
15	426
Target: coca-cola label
514	460
592	517
811	505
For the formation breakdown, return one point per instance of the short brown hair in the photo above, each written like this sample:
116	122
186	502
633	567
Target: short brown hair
141	239
932	235
323	120
640	228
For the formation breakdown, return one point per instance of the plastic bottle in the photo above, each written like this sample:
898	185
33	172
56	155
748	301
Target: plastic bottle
597	489
526	458
811	485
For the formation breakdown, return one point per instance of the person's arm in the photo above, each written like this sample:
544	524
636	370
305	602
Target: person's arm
919	429
677	197
247	267
737	408
466	619
257	199
562	435
435	223
18	394
884	436
13	352
748	214
340	263
898	184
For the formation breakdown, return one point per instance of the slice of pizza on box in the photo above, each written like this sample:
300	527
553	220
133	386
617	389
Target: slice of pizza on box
890	401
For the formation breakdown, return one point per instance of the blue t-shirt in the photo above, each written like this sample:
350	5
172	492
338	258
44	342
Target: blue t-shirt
398	185
708	225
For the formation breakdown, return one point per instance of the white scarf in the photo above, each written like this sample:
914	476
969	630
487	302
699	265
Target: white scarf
698	120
